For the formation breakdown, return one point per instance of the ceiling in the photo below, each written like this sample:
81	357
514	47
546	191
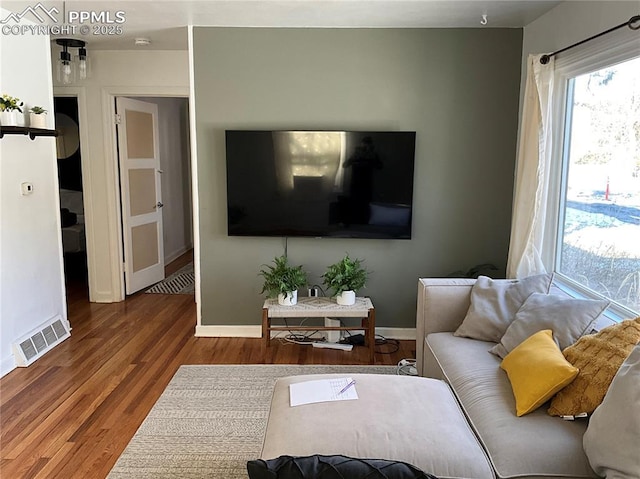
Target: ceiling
164	22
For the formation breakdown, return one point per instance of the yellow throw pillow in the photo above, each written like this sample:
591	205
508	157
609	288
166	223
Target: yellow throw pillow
537	370
598	356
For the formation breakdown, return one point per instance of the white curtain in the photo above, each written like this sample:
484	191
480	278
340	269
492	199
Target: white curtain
532	172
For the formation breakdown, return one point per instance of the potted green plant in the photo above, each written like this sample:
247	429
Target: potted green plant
345	278
37	117
11	111
282	280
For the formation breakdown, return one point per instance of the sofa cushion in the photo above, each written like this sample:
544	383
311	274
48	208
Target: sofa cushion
568	318
494	304
613	435
537	370
332	467
529	446
598	357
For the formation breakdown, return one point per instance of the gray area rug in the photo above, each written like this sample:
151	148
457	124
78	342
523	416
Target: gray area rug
180	282
210	421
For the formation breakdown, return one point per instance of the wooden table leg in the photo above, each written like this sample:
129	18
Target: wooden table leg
371	334
266	333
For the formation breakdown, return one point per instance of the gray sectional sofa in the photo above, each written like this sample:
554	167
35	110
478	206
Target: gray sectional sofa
533	446
459	419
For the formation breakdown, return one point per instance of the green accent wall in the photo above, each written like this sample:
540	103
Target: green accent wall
457	88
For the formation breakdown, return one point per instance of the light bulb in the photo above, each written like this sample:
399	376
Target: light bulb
66	73
83	63
65	69
82	69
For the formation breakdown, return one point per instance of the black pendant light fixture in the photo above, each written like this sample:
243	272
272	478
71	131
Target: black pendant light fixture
69	68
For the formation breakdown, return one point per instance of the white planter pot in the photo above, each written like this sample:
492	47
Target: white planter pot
37	121
290	300
346	298
11	118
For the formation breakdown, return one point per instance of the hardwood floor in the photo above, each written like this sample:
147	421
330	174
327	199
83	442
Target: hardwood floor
72	412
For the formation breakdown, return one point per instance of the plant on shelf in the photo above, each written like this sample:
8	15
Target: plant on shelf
345	278
10	103
282	281
37	117
11	111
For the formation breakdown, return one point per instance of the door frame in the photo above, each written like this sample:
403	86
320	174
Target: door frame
116	252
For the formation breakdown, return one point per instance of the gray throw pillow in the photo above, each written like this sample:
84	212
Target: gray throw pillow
568	318
494	303
612	438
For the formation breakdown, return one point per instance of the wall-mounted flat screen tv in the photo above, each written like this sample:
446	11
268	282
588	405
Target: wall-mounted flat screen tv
343	184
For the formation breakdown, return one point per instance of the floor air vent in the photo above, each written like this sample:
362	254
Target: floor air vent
30	347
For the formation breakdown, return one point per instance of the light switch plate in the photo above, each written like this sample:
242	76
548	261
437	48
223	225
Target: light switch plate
26	188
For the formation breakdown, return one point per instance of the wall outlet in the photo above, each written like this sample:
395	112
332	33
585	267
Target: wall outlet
313	292
332	336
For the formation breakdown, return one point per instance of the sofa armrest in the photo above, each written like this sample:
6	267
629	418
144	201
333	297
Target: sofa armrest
442	306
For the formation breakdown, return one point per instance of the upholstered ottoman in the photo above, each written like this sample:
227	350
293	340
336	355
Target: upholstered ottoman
404	418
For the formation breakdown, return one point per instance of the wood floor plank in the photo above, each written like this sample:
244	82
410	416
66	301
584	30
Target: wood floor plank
72	413
55	458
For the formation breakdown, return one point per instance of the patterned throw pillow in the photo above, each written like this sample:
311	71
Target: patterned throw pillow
598	357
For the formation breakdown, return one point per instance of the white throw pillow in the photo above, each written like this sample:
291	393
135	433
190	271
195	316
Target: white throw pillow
568	318
612	439
494	303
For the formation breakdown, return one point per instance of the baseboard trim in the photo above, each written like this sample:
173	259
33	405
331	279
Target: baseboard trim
176	254
103	297
7	365
255	331
224	331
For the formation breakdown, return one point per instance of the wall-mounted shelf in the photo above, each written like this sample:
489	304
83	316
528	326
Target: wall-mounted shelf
25	130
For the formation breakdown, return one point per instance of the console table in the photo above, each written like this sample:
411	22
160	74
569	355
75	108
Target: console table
321	307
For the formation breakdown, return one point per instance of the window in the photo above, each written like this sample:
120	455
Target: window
599	219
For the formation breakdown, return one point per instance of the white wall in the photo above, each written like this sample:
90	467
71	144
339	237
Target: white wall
31	279
114	73
572	22
173	126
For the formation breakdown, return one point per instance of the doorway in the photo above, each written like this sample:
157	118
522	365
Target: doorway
175	198
69	162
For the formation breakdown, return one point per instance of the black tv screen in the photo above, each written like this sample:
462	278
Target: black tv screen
344	184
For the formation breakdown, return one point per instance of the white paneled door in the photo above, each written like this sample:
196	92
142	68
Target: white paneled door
140	172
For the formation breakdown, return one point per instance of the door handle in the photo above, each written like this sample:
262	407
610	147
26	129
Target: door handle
159	204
